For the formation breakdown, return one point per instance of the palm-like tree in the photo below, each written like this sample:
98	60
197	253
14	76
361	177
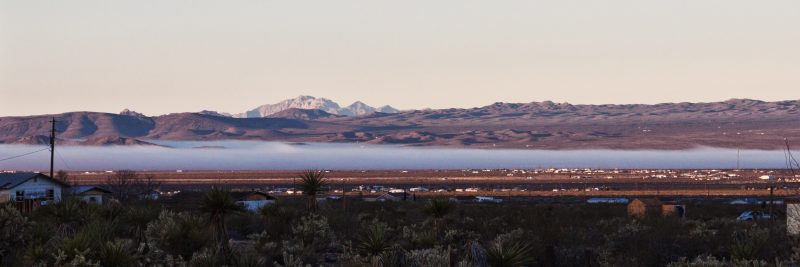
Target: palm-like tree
218	204
438	208
312	182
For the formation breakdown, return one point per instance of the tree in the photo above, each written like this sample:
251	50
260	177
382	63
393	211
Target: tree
64	177
312	183
218	204
127	184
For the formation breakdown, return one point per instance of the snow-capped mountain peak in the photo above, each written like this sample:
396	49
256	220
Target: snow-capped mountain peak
310	102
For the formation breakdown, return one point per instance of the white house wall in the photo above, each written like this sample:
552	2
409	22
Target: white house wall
37	186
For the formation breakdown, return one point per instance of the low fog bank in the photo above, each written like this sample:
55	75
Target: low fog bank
256	155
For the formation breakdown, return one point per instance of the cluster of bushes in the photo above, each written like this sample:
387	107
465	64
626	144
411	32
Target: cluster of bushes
214	231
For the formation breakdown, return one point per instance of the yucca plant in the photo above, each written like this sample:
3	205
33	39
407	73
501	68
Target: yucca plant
438	208
374	241
69	212
116	254
508	254
218	205
207	258
136	220
311	183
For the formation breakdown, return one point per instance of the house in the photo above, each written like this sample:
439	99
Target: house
643	207
91	194
254	200
29	190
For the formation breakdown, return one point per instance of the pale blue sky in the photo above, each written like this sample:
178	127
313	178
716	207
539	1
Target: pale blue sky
167	56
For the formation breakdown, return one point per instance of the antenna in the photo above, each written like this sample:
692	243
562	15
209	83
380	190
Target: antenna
738	158
52	144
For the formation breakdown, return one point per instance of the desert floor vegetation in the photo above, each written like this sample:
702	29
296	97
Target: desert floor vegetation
208	229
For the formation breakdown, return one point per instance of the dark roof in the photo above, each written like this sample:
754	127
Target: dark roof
9	180
84	188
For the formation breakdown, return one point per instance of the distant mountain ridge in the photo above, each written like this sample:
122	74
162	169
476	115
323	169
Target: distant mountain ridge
309	102
735	123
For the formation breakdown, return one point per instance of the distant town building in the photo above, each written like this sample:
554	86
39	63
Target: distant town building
607	200
29	190
387	197
253	201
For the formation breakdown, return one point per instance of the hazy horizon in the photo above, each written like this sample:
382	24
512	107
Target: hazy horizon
261	155
169	56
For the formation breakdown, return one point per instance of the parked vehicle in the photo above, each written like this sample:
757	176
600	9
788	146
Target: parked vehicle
753	216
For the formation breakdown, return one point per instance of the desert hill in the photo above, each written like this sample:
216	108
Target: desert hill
736	123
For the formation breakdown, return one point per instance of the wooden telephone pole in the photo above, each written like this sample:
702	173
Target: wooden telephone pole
52	144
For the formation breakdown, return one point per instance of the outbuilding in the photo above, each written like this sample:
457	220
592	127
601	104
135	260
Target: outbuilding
643	207
91	194
673	209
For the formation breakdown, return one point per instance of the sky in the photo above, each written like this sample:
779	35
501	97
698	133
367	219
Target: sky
164	56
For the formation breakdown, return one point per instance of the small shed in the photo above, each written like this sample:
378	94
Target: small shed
643	207
91	194
254	200
672	208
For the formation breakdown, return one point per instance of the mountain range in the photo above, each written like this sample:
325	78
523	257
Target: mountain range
309	102
736	123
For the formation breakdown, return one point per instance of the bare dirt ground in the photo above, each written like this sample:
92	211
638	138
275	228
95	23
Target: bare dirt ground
496	182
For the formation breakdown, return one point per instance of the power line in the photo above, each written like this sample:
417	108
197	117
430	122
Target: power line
22	155
62	160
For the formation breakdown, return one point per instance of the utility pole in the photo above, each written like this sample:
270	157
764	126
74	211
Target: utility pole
52	144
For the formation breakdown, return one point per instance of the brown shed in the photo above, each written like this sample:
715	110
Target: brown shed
643	207
672	208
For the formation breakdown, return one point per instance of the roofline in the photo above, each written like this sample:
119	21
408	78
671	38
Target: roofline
93	187
9	186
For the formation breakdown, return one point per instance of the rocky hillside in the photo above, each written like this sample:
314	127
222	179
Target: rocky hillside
545	125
